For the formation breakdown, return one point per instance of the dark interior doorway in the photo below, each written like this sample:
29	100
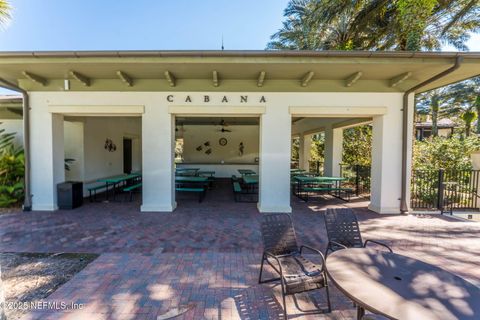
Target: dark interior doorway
127	155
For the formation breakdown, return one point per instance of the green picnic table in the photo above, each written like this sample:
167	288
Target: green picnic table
310	179
192	184
115	180
190	179
250	179
245	172
206	173
306	184
187	171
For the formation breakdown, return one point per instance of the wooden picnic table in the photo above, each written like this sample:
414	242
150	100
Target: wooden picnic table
116	180
400	287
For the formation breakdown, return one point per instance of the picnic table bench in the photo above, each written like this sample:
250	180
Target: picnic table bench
115	181
244	193
192	185
131	189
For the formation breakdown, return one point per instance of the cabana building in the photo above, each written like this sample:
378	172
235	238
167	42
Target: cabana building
123	111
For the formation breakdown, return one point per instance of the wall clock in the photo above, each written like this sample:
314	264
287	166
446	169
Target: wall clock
222	142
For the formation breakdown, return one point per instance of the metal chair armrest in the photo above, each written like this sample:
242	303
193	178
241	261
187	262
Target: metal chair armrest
379	243
271	255
337	244
315	251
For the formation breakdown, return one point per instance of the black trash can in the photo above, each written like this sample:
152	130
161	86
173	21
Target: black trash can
69	194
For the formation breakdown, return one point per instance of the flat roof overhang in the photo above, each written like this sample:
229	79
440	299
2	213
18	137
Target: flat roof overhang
236	71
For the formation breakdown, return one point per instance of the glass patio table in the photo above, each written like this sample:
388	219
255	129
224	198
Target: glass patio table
116	180
400	287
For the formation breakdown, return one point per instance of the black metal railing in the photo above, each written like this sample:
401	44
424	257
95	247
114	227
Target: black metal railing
445	190
358	178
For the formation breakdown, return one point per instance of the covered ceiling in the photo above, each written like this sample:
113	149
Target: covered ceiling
217	121
269	71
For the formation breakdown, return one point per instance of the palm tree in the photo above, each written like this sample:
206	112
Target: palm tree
468	116
377	24
435	103
464	100
5	9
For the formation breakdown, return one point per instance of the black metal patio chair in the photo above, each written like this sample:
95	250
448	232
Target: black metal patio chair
296	273
343	231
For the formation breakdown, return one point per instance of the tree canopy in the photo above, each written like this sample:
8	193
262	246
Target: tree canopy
4	12
377	24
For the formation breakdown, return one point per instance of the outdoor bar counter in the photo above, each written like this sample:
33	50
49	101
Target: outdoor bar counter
222	170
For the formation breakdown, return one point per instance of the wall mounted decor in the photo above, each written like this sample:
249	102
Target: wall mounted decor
208	151
223	142
199	148
241	148
207	144
110	146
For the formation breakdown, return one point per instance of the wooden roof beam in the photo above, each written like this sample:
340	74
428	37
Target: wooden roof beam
215	78
395	81
306	78
80	78
35	78
170	78
350	81
261	78
125	78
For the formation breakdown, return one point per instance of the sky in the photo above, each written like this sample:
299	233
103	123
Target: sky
145	24
141	24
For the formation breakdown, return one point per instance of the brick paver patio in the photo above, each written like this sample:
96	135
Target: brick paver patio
204	258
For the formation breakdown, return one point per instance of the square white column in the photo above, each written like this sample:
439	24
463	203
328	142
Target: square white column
158	138
274	170
386	175
333	151
48	156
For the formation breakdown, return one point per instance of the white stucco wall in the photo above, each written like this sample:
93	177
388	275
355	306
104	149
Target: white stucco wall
101	163
275	113
197	135
74	149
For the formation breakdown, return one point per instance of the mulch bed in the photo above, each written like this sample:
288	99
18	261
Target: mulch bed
31	277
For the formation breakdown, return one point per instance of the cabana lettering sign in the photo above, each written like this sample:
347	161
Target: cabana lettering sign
209	99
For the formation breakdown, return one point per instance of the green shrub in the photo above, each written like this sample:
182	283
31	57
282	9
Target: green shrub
444	153
12	170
